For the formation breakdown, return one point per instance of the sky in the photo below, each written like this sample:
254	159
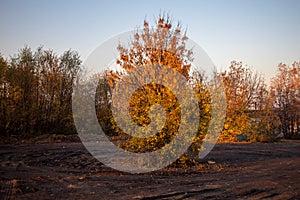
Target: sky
260	33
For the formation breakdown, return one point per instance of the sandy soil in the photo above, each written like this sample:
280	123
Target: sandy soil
230	171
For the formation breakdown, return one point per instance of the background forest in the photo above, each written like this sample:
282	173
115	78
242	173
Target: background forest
36	90
36	93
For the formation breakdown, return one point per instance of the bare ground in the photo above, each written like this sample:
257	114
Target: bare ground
230	171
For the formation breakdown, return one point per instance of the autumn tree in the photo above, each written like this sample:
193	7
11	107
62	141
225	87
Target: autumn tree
161	45
285	88
247	101
5	101
56	76
36	91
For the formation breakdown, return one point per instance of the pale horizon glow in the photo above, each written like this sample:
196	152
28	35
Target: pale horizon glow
260	33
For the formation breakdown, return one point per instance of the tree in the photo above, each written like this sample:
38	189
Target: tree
36	91
162	45
4	96
246	94
285	88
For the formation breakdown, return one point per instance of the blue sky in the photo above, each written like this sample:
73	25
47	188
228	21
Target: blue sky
261	33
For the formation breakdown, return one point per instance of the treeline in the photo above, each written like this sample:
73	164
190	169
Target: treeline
258	112
36	97
36	93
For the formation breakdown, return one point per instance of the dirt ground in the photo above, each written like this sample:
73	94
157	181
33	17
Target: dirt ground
230	171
